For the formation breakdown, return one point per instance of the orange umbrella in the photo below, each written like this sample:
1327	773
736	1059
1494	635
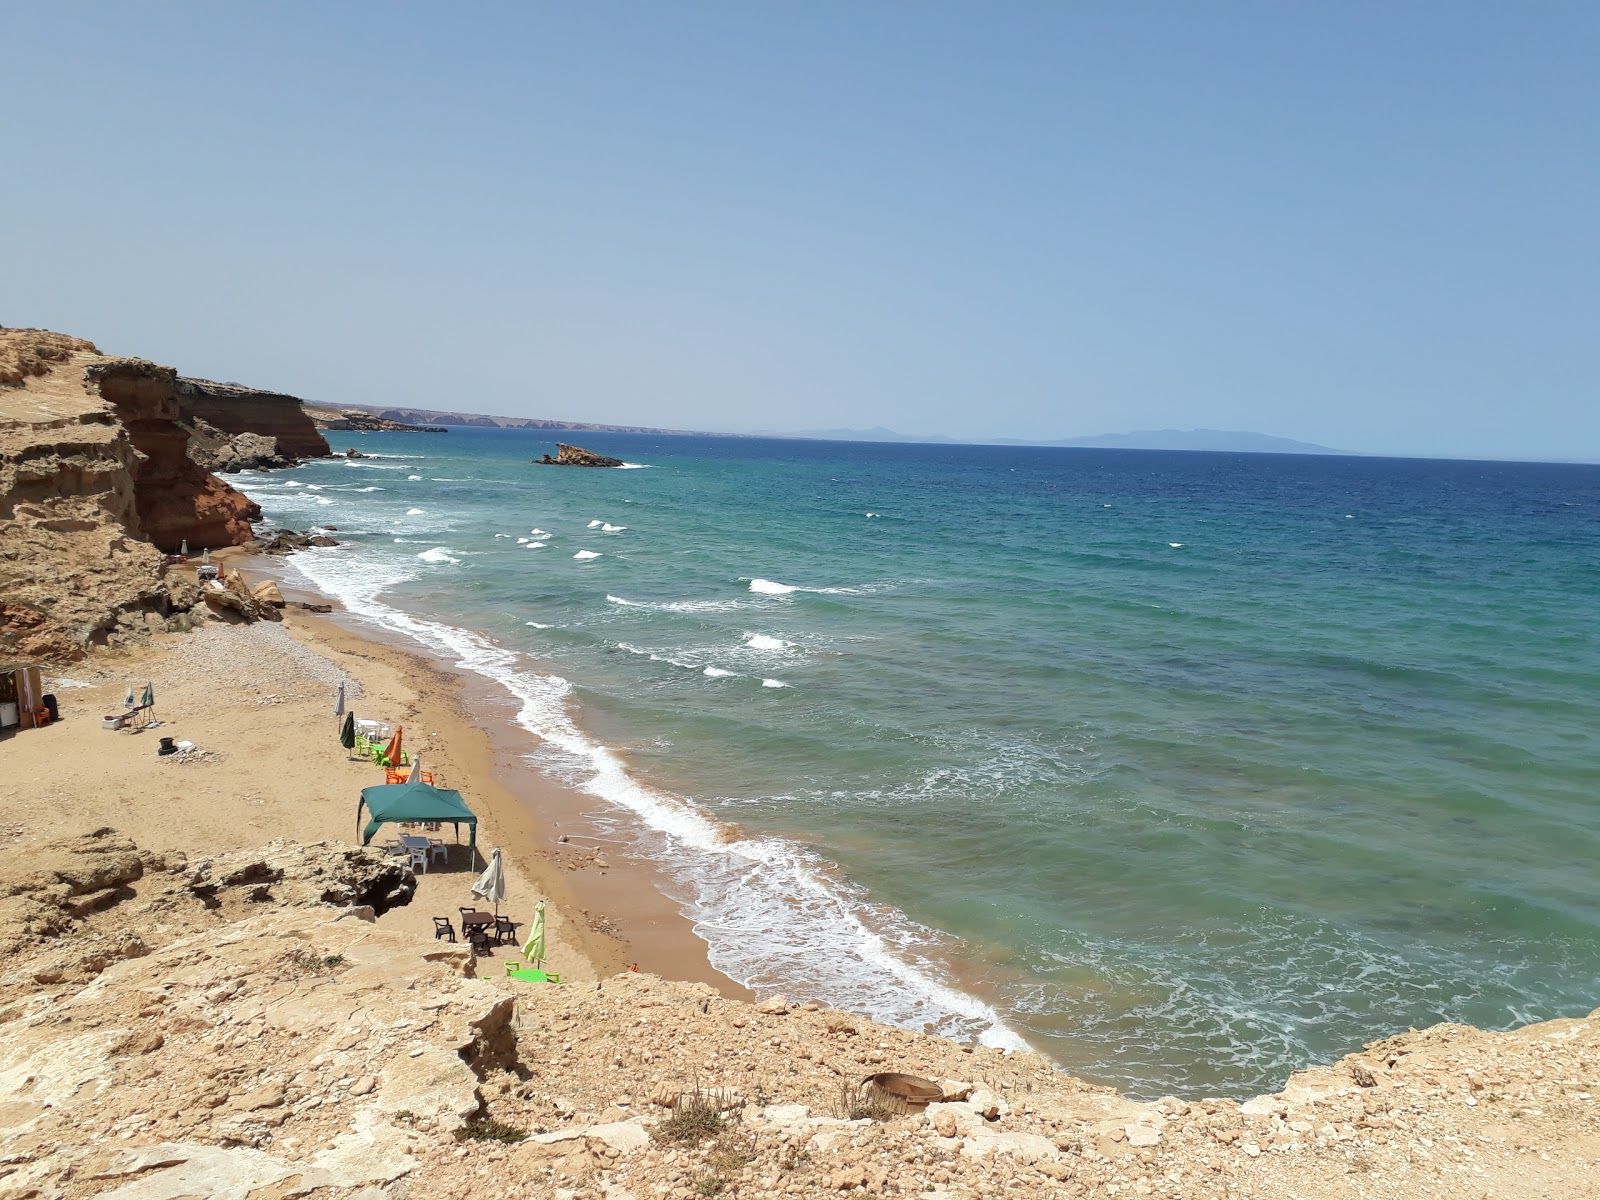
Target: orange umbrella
393	751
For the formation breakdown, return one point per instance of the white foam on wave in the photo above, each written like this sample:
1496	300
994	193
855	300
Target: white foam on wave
585	555
537	545
1176	545
770	587
767	587
414	512
520	541
292	483
538	533
760	641
773	683
313	487
774	915
716	673
368	489
612	528
439	554
537	625
324	499
628	466
595	523
654	657
413	476
506	535
684	606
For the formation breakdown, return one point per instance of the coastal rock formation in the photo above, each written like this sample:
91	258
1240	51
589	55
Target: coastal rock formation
356	419
95	481
577	456
287	541
422	417
227	453
176	500
236	409
239	1027
232	599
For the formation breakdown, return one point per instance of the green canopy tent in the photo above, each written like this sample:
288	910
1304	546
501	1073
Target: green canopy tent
416	802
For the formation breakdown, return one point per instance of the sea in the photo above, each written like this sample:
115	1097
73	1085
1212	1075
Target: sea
1185	769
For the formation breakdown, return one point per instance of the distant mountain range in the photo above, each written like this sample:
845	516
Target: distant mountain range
1149	439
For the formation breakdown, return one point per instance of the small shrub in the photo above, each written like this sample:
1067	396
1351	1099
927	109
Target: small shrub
731	1151
304	962
795	1161
489	1130
858	1100
711	1185
697	1117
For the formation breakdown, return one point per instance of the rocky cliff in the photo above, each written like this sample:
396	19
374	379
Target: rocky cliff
239	1028
95	483
236	409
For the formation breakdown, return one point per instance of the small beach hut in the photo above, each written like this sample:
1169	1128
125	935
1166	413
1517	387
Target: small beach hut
415	802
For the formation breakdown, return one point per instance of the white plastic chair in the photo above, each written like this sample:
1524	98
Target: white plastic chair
419	858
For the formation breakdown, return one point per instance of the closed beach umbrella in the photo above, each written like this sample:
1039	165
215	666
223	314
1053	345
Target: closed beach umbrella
338	702
183	550
347	732
533	948
149	700
394	749
127	701
416	769
491	884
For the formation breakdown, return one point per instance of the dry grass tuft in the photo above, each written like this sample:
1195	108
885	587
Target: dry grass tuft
857	1100
697	1117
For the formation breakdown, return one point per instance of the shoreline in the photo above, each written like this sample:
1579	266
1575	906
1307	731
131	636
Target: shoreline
654	901
632	919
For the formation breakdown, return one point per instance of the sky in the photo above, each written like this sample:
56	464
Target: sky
1372	226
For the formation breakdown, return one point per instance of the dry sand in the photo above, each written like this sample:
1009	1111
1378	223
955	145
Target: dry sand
257	702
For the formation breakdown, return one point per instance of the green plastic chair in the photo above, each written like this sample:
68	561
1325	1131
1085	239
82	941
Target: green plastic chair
531	974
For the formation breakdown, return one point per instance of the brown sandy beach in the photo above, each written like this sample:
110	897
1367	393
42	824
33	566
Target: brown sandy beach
257	702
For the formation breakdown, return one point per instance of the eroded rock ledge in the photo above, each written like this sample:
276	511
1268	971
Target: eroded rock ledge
240	1028
105	466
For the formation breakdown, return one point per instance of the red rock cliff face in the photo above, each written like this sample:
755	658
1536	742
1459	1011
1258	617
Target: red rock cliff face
175	499
235	409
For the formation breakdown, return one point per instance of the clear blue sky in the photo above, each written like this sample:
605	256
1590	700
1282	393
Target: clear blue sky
1369	225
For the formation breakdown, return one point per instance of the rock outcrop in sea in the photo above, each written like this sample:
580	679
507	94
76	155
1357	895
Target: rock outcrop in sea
577	456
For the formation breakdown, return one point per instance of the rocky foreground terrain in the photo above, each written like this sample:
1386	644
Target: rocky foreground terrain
240	1028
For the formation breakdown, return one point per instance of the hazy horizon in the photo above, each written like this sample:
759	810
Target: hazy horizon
1368	228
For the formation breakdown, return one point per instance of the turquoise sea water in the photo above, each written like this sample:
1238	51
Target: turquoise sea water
1186	769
